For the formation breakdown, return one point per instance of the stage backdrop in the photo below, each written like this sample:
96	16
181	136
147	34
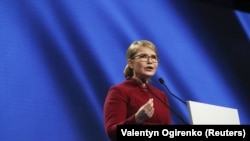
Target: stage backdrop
59	58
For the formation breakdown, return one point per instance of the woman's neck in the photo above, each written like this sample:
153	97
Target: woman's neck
142	80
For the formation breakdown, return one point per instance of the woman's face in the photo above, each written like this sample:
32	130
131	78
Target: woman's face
144	63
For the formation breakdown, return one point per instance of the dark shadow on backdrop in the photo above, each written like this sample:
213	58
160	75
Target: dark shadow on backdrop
224	38
242	5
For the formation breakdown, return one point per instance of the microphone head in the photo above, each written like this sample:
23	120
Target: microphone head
161	80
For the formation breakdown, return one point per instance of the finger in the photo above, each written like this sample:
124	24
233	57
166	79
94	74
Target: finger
150	100
151	113
148	109
149	103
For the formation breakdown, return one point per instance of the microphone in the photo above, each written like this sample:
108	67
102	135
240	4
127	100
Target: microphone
165	104
163	83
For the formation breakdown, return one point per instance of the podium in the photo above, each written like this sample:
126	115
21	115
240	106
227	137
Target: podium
208	114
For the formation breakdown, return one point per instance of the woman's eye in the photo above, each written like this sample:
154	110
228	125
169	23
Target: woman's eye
153	57
144	56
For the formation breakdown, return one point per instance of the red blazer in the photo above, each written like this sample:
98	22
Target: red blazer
124	100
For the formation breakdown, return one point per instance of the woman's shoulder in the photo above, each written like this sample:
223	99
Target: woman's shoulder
122	89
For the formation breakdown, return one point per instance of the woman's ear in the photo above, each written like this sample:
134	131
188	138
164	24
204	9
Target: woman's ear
131	63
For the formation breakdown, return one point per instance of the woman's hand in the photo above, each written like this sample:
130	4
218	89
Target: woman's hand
145	112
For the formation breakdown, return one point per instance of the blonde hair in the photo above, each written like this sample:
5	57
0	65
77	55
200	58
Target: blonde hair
132	51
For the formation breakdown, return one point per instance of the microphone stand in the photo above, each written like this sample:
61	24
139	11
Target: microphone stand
165	104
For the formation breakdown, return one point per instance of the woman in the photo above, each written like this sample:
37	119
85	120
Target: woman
136	101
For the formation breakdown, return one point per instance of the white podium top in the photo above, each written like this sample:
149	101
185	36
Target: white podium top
204	114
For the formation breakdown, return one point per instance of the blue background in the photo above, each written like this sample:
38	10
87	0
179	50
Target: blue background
59	58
